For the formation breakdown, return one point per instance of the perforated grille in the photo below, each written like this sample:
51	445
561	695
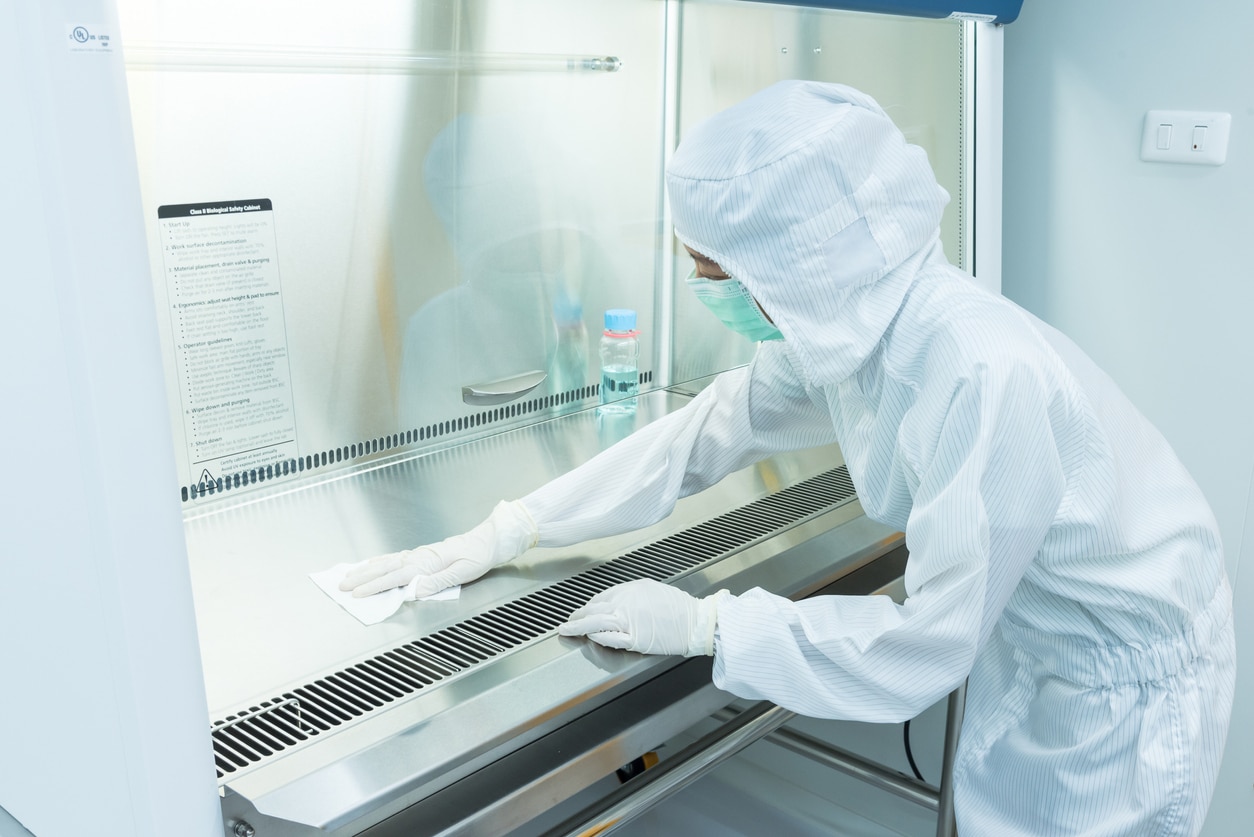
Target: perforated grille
281	723
209	486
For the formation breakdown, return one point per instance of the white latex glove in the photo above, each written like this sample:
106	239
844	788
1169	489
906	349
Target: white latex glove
507	533
647	616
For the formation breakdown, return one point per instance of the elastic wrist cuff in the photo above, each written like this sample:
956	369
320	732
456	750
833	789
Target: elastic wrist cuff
524	516
701	643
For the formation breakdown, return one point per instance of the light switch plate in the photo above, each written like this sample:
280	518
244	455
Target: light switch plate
1196	137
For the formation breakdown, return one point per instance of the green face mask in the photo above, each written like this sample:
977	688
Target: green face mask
732	303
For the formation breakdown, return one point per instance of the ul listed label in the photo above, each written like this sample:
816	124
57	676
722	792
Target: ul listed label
88	37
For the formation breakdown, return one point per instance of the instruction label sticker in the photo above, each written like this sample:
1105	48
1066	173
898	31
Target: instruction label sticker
94	37
230	339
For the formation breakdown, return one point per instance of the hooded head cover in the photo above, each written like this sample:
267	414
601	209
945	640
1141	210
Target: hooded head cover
808	194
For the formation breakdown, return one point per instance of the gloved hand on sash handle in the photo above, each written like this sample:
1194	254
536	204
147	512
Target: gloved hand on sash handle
507	533
650	617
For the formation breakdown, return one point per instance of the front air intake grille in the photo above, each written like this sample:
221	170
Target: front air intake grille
247	738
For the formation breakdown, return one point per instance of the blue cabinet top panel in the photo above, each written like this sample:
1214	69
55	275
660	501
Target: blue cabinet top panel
996	11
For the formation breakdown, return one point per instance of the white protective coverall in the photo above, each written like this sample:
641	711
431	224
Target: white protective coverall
1060	556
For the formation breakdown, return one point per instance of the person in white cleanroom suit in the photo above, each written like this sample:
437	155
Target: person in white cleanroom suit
1060	556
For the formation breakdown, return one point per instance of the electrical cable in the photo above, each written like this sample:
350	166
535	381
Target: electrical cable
910	754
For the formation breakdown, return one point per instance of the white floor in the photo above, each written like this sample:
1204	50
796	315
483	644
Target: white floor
745	798
767	790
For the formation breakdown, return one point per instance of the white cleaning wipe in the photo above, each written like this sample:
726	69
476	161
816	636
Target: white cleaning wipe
371	610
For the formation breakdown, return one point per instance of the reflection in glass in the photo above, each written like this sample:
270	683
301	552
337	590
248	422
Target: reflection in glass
522	250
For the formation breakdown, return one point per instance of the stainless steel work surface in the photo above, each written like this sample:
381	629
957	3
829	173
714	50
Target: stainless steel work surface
268	633
265	627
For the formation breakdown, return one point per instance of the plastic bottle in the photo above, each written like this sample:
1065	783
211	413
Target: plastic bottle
620	356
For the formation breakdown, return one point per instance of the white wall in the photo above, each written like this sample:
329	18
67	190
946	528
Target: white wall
1147	265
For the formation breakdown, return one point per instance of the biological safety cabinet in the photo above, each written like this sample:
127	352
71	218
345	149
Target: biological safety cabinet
315	281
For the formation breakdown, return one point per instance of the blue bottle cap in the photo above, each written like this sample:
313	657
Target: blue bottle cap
620	319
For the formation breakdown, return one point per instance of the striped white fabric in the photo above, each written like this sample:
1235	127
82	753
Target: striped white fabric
1060	555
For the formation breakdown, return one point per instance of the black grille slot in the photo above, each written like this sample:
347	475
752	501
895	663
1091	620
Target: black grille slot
455	648
419	664
276	725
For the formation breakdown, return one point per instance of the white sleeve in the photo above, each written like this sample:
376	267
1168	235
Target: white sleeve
990	480
743	416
